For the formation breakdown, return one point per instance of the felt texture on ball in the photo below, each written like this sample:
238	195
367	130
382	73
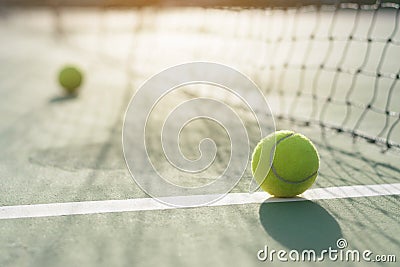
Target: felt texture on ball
285	163
70	78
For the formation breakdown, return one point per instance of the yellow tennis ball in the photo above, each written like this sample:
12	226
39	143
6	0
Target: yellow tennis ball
70	78
285	163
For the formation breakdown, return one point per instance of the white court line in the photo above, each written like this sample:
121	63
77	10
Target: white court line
141	204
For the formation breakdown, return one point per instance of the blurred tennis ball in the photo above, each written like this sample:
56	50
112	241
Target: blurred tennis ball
70	78
285	163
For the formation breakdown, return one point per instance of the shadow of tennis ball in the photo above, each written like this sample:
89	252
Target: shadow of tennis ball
300	225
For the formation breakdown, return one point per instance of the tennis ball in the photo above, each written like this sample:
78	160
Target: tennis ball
70	78
285	163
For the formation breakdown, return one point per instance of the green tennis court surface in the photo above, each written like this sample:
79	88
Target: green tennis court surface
66	151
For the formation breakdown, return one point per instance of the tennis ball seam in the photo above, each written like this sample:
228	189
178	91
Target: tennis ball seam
272	153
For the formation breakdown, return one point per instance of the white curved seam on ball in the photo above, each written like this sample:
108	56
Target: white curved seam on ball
271	160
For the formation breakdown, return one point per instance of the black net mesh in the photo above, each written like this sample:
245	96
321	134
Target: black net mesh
326	63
